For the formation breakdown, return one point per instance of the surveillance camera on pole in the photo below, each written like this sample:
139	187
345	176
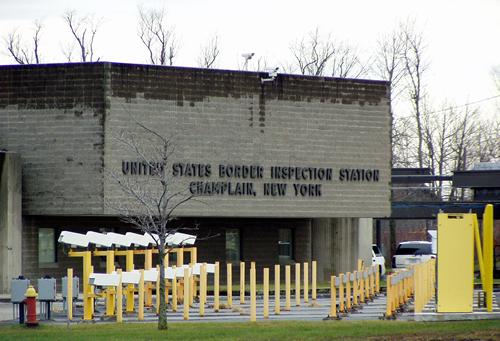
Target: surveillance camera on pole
247	57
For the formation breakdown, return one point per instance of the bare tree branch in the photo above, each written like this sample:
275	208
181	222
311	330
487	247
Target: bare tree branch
157	36
21	52
209	53
84	30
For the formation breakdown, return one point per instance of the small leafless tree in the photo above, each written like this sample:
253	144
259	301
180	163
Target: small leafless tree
415	64
157	36
209	53
151	200
346	62
83	30
22	52
313	53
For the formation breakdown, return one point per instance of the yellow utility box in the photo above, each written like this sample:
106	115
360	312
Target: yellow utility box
455	283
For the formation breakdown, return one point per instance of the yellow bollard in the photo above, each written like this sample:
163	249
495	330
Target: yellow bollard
148	264
348	291
175	299
203	288
216	287
388	304
355	289
180	257
372	282
69	294
242	282
277	293
187	295
333	298
361	287
229	285
377	279
287	288
266	293
110	291
253	298
297	284
141	297
361	265
367	284
129	259
341	293
119	298
158	289
88	302
306	282
314	270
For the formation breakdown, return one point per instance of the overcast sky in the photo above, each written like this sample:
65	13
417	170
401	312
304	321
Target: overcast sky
463	36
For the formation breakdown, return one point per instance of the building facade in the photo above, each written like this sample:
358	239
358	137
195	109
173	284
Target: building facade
291	169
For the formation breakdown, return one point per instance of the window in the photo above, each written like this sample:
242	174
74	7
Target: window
285	245
46	245
233	245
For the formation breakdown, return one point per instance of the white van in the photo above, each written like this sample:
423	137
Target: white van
412	252
378	258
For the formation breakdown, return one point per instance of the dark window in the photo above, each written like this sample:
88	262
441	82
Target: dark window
376	250
46	245
414	249
233	253
285	245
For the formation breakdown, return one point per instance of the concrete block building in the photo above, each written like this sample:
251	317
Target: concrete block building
304	162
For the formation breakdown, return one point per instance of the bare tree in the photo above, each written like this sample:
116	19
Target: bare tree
24	53
413	56
151	200
209	53
313	53
157	36
84	30
346	62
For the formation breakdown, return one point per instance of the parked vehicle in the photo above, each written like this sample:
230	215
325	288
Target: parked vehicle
378	258
412	252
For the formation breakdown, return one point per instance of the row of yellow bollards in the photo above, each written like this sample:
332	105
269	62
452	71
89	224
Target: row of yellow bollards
352	289
423	286
185	290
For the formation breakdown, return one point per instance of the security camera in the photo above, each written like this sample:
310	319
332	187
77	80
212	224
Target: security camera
248	56
272	73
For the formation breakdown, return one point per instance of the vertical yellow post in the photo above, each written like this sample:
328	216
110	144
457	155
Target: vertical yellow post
229	279
194	255
360	265
180	257
367	284
110	291
242	282
361	286
297	284
348	291
313	280
287	288
355	289
216	287
377	278
479	250
192	290
187	295
488	255
253	299
166	259
88	303
306	282
129	259
140	314
388	304
266	293
148	264
372	282
69	294
203	288
175	299
157	289
119	298
277	289
333	298
341	293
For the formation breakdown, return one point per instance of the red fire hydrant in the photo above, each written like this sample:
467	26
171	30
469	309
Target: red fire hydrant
30	300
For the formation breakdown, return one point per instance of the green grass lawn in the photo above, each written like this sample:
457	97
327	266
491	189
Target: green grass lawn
295	330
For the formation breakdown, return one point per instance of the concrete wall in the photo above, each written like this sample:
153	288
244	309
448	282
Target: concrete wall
53	117
222	117
338	243
10	219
